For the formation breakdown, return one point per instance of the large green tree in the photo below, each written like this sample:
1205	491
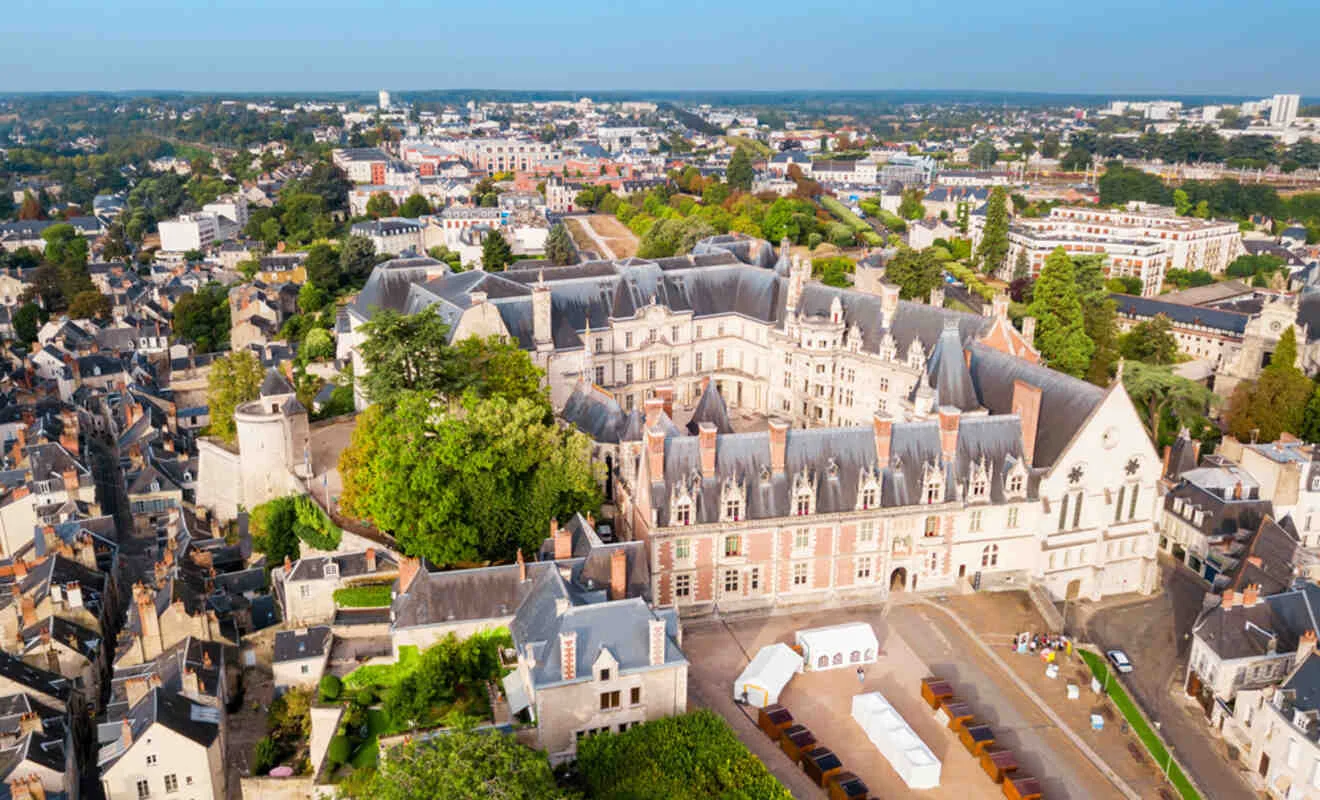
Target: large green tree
27	321
994	236
322	265
1151	341
739	174
403	352
469	481
915	273
380	205
235	379
464	765
357	257
495	252
202	318
89	304
1162	396
414	206
1061	326
910	205
559	248
1276	402
1100	317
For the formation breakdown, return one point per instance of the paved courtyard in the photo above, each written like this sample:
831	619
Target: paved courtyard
915	641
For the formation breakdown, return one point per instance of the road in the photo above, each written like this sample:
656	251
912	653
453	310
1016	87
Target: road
1155	633
605	250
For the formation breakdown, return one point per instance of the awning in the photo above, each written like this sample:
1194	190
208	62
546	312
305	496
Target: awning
516	692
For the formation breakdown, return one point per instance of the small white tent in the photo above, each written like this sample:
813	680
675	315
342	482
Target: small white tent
760	684
836	646
893	737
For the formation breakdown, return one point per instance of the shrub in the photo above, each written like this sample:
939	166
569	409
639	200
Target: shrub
365	697
331	687
814	240
339	750
265	755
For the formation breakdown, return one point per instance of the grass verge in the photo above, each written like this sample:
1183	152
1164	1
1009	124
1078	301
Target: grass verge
1154	744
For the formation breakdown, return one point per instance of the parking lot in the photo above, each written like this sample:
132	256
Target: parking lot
915	641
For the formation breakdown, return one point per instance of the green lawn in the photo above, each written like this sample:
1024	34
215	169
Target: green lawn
370	596
384	674
1100	668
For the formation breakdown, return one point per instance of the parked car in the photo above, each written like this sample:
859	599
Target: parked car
1120	661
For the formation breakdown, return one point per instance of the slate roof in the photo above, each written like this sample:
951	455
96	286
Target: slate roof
302	644
1245	632
711	409
1231	322
39	680
191	720
468	594
275	384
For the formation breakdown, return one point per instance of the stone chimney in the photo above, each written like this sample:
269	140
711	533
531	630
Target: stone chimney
653	406
71	481
883	428
568	655
477	298
1305	647
1229	599
950	416
888	303
706	433
563	540
408	569
656	641
999	306
1029	330
135	688
778	445
618	574
655	453
126	733
1026	404
73	594
937	296
541	303
29	610
522	567
145	599
371	559
191	686
1251	596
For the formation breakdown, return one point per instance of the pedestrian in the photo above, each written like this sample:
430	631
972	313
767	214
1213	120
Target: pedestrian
861	675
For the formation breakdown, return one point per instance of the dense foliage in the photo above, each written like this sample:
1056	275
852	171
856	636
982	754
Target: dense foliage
1276	402
464	765
279	525
690	757
234	379
1060	331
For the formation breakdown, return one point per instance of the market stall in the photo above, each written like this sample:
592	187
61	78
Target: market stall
766	676
849	645
894	738
796	741
773	719
847	786
821	764
934	690
998	764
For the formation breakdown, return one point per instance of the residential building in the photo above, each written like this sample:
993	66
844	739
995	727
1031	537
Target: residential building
168	745
189	232
305	589
1283	110
391	235
301	656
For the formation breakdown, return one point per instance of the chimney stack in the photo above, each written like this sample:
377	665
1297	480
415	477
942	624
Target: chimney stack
618	574
950	417
1305	647
408	569
937	296
655	453
126	733
563	540
1251	596
999	306
657	641
1229	599
883	428
666	394
653	406
568	655
1029	330
522	567
706	433
71	481
1026	404
371	559
31	721
778	445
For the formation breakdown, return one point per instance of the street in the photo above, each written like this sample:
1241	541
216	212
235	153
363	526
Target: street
1155	633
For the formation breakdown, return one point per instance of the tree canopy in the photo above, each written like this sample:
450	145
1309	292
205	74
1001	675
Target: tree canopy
994	237
1161	396
916	273
1151	341
468	481
495	252
1061	328
1276	402
740	173
559	248
235	379
202	318
464	765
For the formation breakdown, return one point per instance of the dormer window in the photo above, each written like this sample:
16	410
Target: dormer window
869	497
1015	482
979	487
803	503
932	485
732	509
683	512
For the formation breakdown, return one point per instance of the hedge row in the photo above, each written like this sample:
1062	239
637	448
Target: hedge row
856	223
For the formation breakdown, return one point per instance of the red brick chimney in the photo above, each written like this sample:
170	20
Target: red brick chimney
522	567
1229	599
1251	596
666	394
655	454
778	445
653	406
883	428
71	481
371	559
950	417
618	574
563	540
1026	404
1305	647
408	569
568	655
706	433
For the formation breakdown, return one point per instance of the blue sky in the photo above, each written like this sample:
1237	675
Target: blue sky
1102	46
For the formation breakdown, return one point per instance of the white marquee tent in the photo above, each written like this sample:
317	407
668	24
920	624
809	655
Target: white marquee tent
836	646
767	675
894	738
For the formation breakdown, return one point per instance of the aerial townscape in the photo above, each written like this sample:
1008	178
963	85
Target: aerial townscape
629	444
